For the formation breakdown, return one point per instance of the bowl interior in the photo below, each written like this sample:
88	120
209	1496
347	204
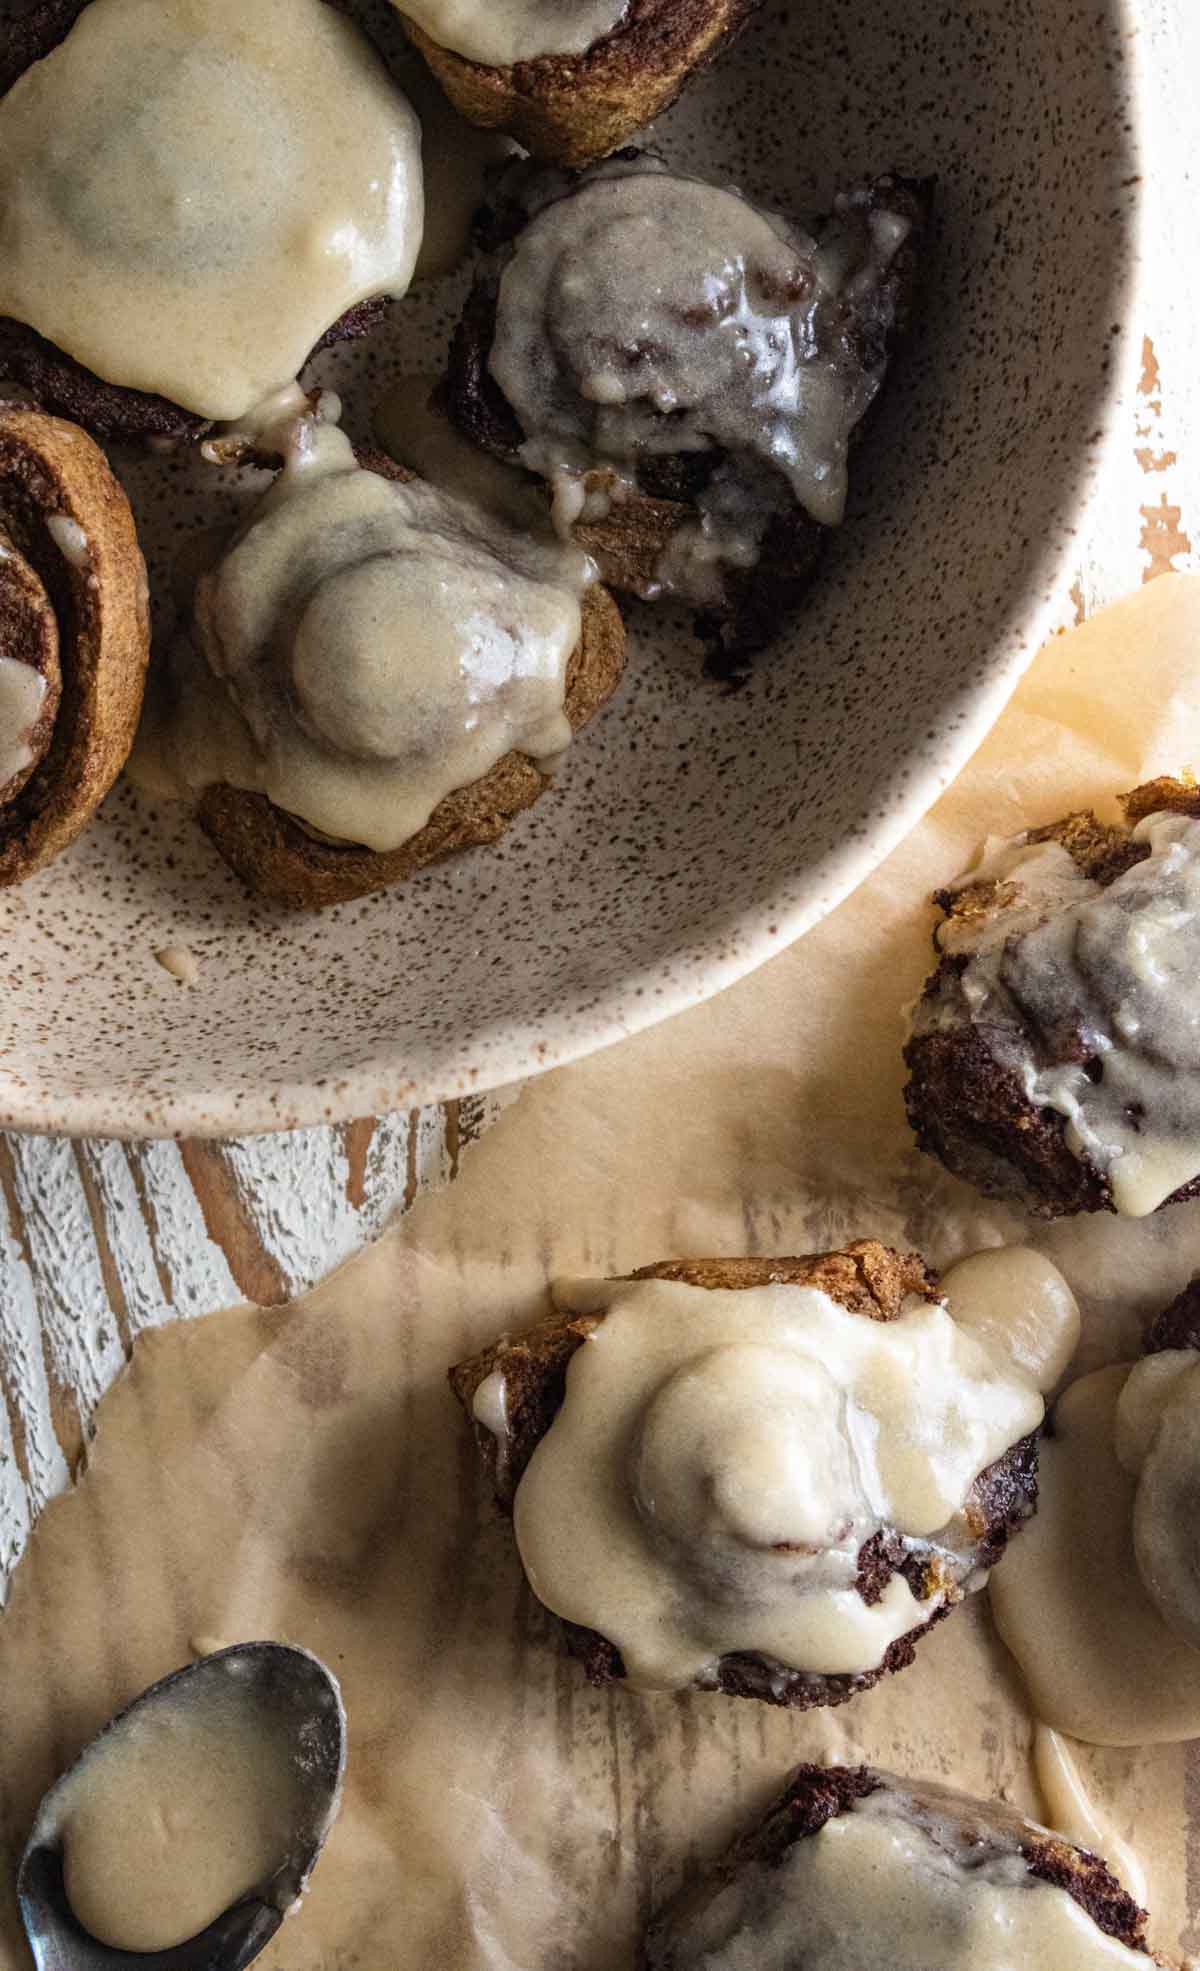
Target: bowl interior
694	831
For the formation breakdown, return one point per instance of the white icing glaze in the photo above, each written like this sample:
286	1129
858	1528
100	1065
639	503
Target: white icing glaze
1150	1385
723	1456
1070	1810
1071	1600
886	1886
364	648
70	540
507	31
490	1406
1166	1510
422	438
182	965
262	423
455	155
644	313
22	695
178	1815
1035	877
1119	967
141	232
1016	1300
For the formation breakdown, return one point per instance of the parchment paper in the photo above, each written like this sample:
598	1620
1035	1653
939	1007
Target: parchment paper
305	1474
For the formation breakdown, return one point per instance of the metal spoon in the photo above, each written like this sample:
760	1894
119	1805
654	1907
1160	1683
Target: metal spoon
299	1696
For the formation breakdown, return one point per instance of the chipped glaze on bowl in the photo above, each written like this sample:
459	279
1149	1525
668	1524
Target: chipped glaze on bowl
692	834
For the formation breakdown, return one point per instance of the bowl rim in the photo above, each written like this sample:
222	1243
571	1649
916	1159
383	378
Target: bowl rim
240	1109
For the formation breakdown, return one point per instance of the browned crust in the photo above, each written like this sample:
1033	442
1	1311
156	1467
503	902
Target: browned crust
627	545
277	857
33	33
102	612
866	1277
57	382
111	412
815	1795
1166	795
974	1116
573	109
1178	1326
967	1109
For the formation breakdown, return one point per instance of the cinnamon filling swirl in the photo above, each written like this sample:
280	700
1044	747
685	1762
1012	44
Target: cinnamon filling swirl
30	677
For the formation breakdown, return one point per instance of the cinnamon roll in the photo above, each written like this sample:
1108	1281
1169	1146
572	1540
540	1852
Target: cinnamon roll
770	1477
854	1869
686	371
74	635
375	672
1102	1607
1055	1051
570	82
194	194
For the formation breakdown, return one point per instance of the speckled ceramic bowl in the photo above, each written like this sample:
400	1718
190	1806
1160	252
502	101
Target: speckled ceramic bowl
693	833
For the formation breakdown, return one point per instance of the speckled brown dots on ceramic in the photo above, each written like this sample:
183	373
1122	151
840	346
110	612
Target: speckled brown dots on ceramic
693	832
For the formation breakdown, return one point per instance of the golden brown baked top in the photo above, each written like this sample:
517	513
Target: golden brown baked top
573	108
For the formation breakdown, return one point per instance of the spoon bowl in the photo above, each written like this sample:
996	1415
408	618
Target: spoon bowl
300	1706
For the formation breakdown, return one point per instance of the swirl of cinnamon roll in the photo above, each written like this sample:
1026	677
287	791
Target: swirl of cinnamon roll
1055	1052
686	372
74	635
759	1463
647	314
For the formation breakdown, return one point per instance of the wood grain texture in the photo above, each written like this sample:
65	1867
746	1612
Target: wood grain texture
100	1240
1146	521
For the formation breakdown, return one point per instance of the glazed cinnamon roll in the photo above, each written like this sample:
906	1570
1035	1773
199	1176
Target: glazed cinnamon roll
74	635
193	196
686	371
570	82
854	1869
375	672
770	1477
1055	1051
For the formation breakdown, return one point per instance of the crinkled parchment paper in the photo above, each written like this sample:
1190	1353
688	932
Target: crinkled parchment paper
305	1474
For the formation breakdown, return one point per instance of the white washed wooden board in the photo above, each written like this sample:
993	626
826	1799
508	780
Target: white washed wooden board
99	1240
